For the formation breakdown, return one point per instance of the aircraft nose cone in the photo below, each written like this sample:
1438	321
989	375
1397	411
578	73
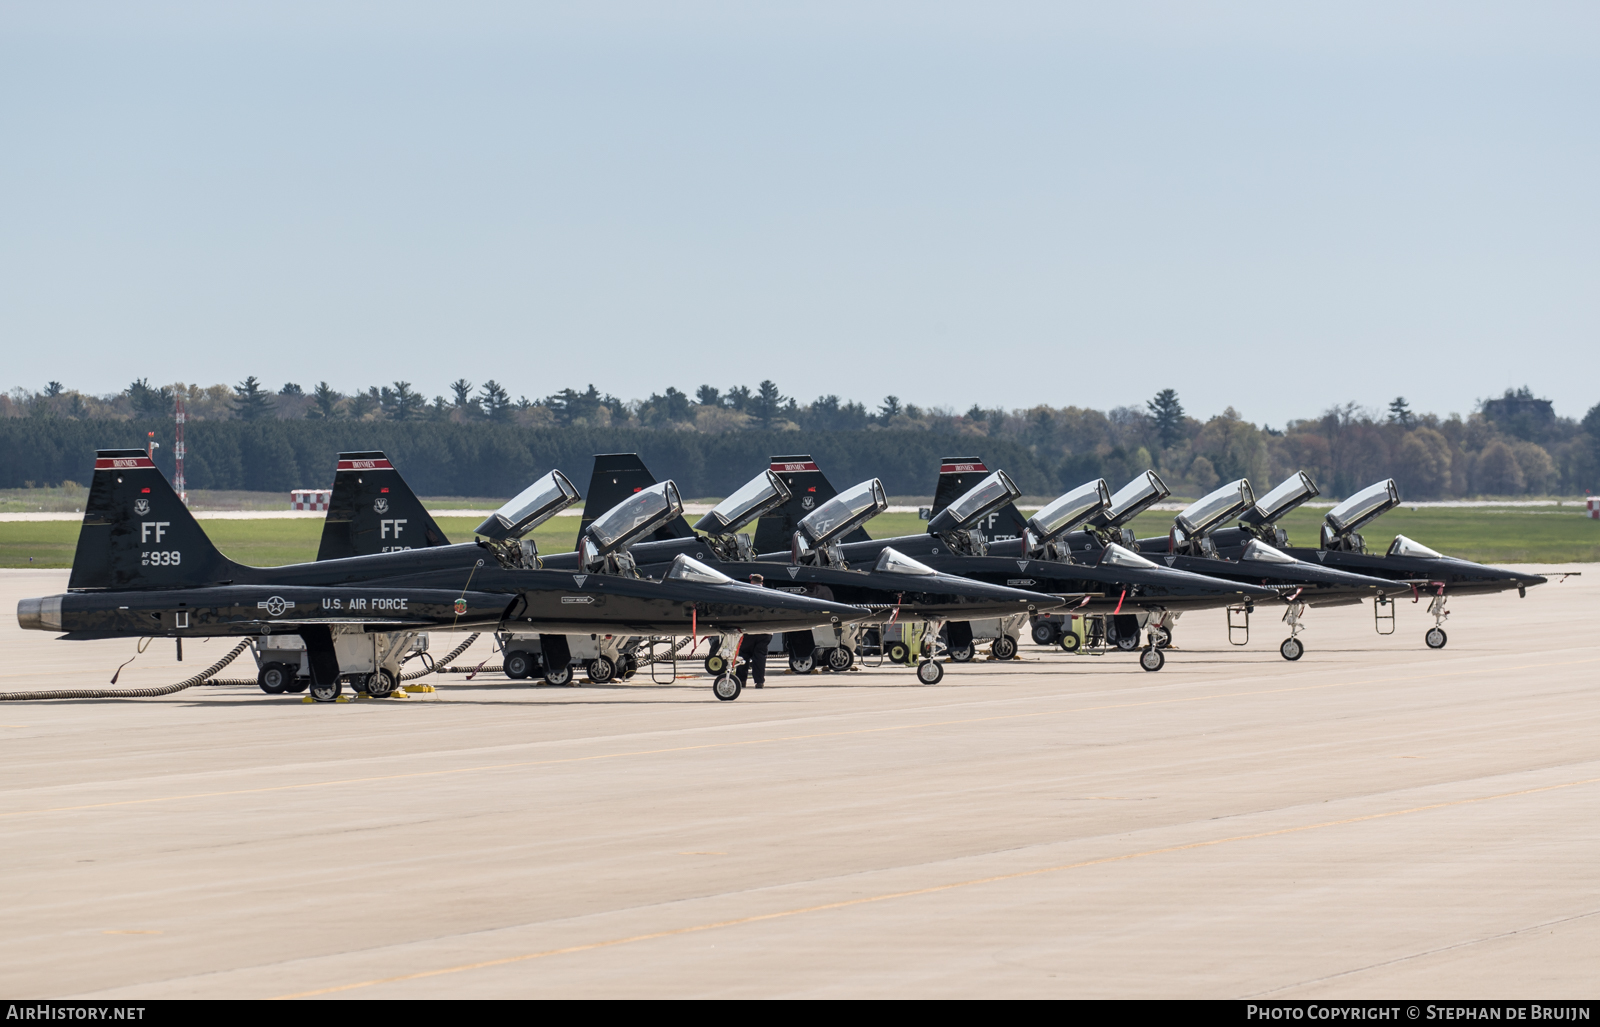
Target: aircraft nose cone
1531	579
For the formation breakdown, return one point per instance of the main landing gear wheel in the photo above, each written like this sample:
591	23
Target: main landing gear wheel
1436	638
803	664
1128	643
600	670
1044	634
561	675
380	684
715	664
1162	638
726	688
1003	648
1071	642
898	652
1292	649
963	654
517	665
275	678
930	673
1152	658
327	693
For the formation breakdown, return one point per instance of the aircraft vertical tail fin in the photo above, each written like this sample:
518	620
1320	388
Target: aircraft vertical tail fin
373	510
957	474
617	476
808	489
138	534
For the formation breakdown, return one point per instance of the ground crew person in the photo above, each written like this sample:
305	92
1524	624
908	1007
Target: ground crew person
754	649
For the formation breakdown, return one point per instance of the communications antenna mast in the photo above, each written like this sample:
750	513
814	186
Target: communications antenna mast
177	451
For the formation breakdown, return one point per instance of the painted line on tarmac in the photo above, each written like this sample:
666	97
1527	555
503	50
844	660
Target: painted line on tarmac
932	890
706	746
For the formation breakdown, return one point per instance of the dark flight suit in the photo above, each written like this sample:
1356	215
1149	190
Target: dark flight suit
755	648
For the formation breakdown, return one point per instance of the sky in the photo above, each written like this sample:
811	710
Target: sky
1278	207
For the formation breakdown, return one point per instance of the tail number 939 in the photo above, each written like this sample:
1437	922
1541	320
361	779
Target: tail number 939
160	558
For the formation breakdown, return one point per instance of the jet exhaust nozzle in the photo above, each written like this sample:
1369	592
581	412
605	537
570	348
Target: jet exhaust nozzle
39	614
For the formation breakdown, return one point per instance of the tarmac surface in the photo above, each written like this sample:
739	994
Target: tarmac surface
1376	820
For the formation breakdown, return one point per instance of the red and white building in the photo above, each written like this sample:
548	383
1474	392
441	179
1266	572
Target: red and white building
310	499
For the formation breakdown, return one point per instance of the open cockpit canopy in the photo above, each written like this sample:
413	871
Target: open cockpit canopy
1362	507
844	513
1284	497
634	518
532	507
1211	510
1069	510
1131	500
754	499
976	503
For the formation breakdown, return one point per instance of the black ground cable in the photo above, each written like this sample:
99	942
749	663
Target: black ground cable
129	693
434	667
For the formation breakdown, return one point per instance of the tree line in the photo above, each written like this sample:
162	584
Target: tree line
480	442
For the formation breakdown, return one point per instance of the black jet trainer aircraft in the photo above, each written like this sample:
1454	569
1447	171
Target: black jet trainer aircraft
895	588
1405	562
1117	580
144	567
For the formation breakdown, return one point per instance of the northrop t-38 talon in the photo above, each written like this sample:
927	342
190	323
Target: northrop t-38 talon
144	567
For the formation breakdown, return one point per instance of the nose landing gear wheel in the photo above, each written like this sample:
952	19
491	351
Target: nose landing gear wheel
1004	647
1152	658
517	665
930	673
326	693
802	664
1070	642
600	670
561	675
1044	634
840	659
726	688
1292	649
715	665
380	684
1436	638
